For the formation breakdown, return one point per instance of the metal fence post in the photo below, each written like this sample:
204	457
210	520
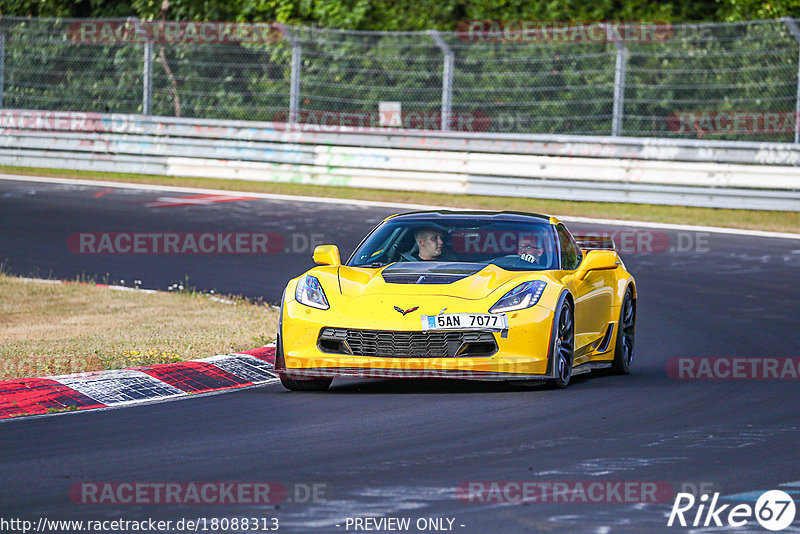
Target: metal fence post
619	89
147	79
294	82
294	90
2	63
447	78
790	23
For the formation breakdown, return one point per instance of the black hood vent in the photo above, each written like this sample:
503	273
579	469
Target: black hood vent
429	272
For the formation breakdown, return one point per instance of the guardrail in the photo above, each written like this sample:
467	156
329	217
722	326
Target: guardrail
657	171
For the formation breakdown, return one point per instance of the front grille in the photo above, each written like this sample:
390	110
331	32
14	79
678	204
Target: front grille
397	344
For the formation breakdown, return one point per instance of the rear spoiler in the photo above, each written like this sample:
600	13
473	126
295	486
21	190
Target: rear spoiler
595	242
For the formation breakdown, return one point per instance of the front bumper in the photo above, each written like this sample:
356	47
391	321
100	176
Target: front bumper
521	355
374	372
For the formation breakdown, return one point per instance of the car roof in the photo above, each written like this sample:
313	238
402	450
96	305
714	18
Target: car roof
517	216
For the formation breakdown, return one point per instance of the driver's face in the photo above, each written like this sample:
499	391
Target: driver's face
529	245
430	245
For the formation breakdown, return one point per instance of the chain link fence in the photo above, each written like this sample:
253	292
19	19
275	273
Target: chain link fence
725	81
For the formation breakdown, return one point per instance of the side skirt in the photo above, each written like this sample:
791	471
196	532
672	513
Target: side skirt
589	367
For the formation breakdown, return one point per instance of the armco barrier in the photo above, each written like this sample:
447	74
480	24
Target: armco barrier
657	171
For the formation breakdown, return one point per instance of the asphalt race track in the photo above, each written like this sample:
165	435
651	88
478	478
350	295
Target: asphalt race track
385	449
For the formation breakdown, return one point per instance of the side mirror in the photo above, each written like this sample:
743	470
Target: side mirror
597	260
327	255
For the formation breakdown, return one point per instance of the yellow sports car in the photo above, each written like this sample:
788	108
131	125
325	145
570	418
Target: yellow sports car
452	294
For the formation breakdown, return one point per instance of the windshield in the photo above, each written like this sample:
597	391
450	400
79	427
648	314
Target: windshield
511	245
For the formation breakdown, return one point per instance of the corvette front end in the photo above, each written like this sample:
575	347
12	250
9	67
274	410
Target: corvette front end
471	295
381	335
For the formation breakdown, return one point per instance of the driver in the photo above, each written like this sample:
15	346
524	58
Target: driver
529	248
430	242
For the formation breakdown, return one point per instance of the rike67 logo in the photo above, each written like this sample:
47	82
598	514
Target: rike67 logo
774	510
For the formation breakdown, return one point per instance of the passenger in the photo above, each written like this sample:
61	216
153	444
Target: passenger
529	248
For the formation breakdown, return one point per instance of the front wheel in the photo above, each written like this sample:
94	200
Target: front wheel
626	328
563	348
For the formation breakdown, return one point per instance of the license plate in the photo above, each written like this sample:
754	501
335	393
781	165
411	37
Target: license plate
465	321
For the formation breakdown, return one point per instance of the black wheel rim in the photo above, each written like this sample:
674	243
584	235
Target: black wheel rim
628	328
565	343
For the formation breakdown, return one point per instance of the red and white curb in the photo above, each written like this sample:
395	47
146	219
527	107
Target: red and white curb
105	389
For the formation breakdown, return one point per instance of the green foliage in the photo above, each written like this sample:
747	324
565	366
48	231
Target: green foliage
735	10
406	14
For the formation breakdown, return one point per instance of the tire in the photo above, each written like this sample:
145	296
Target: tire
562	349
626	328
313	384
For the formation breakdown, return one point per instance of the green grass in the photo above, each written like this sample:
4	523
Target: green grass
52	329
779	221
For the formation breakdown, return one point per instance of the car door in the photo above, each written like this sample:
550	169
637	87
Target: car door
593	296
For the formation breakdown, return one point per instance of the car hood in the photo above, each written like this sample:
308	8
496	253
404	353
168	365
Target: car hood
469	281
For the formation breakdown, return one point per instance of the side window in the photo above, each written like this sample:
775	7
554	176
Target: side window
571	254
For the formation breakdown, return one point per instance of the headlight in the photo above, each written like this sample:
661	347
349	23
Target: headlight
523	296
309	292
